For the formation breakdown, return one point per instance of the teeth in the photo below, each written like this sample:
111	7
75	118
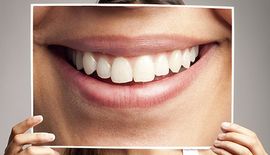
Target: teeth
186	58
89	63
194	53
175	61
161	65
79	63
143	70
121	70
103	68
138	69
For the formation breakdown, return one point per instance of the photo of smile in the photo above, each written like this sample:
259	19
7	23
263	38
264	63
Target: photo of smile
132	75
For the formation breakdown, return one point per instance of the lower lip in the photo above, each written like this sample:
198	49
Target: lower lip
141	95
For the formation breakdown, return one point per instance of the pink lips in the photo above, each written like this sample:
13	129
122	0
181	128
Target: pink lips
138	95
129	46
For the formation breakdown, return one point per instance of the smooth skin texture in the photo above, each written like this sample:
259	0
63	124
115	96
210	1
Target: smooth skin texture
235	140
206	100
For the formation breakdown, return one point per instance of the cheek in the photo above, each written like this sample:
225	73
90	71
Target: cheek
46	81
225	14
39	12
50	90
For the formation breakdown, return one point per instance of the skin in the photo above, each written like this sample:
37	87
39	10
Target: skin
235	140
105	126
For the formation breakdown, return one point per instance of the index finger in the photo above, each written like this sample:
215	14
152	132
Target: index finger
23	126
232	127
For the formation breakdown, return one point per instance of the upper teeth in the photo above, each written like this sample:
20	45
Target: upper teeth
140	69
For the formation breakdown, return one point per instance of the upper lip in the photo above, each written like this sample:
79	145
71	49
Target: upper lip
130	46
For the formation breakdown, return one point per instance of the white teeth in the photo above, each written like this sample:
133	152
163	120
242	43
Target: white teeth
194	53
103	68
89	63
121	70
79	61
139	69
175	61
186	58
143	70
161	65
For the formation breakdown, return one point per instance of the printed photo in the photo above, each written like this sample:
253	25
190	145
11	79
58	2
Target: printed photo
131	75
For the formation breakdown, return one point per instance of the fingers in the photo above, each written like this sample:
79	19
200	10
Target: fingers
231	127
35	138
19	138
232	147
237	140
220	151
23	126
38	150
244	137
244	140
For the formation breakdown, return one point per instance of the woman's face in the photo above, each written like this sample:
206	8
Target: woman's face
132	76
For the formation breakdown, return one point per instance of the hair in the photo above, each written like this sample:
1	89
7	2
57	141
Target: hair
174	2
86	151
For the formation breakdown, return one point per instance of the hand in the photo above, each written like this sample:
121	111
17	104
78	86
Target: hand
19	139
237	140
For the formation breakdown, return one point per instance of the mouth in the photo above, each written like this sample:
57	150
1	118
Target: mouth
123	73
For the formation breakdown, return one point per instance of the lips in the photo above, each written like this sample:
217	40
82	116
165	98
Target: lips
120	79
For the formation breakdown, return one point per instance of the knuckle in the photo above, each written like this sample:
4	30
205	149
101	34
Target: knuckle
17	139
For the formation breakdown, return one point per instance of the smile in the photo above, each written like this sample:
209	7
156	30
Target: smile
138	69
107	73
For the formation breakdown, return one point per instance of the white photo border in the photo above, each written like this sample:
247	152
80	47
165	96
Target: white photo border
134	5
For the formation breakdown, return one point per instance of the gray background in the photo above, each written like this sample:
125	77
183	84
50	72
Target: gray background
252	54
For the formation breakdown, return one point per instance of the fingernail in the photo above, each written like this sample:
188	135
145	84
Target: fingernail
38	118
50	136
221	136
225	125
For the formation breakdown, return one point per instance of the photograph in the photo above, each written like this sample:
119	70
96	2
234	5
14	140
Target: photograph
132	75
